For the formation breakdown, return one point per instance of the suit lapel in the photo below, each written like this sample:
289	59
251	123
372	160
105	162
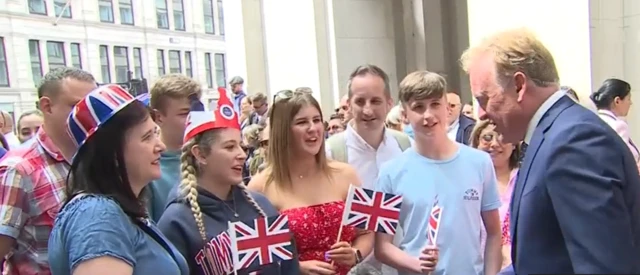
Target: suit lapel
523	174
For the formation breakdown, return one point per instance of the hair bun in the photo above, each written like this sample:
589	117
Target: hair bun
595	96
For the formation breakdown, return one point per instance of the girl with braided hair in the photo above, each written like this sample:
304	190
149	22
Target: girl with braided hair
211	194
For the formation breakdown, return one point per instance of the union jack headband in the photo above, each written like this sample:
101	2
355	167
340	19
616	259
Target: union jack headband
223	117
94	110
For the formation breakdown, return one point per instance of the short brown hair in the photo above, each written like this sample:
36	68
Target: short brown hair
372	70
304	90
336	116
516	50
259	97
175	86
421	85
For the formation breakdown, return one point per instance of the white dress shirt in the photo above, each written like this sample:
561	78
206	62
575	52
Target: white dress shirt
366	159
537	116
452	131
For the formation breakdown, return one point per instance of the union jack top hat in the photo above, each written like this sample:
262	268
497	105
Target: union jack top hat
94	110
223	117
144	98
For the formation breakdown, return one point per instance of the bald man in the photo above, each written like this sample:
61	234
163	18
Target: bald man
460	126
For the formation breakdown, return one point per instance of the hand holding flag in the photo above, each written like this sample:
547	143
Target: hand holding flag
428	259
429	256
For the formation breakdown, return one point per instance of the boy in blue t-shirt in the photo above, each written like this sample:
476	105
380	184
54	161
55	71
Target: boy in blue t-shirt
464	180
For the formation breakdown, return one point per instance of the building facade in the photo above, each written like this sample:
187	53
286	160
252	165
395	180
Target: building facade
109	38
326	39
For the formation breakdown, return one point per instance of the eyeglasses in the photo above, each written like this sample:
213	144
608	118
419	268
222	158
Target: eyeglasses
488	138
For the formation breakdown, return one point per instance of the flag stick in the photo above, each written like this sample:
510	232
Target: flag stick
66	6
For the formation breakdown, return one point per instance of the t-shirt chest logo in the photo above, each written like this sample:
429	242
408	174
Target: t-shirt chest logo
471	195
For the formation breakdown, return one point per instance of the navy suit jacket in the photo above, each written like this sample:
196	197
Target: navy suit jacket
464	130
575	204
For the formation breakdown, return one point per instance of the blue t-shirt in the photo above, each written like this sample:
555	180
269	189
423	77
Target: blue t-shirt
158	190
465	185
93	226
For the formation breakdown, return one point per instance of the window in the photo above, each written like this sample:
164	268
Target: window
207	67
220	17
137	63
76	61
178	15
174	62
106	11
58	7
121	58
187	64
38	7
4	71
36	61
160	60
162	14
55	54
126	12
105	64
208	17
221	75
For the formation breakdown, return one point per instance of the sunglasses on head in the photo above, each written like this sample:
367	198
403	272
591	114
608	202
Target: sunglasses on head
286	95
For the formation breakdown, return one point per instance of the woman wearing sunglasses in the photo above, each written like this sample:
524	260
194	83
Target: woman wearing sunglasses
301	183
506	161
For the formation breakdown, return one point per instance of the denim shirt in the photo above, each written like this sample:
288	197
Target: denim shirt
94	226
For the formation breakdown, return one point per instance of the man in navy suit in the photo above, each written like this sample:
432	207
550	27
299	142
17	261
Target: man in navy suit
574	208
460	126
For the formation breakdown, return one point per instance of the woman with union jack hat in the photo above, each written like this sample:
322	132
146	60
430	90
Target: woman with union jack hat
103	226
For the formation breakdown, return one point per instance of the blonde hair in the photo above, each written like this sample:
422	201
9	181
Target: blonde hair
516	50
281	139
252	134
421	85
394	116
188	183
176	86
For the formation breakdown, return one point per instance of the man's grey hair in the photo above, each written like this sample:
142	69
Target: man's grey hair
364	269
50	83
372	70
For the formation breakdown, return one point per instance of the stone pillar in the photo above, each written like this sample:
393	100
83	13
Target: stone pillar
563	26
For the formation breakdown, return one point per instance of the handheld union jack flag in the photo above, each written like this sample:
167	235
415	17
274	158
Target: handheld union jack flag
434	222
260	242
372	210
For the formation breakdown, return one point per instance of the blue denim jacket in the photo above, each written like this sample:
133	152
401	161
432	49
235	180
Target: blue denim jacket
94	226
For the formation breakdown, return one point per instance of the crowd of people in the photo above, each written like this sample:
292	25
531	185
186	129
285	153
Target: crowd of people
102	182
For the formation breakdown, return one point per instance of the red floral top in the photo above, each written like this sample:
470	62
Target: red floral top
506	238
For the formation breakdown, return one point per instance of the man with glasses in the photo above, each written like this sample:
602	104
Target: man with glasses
460	126
335	125
260	108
